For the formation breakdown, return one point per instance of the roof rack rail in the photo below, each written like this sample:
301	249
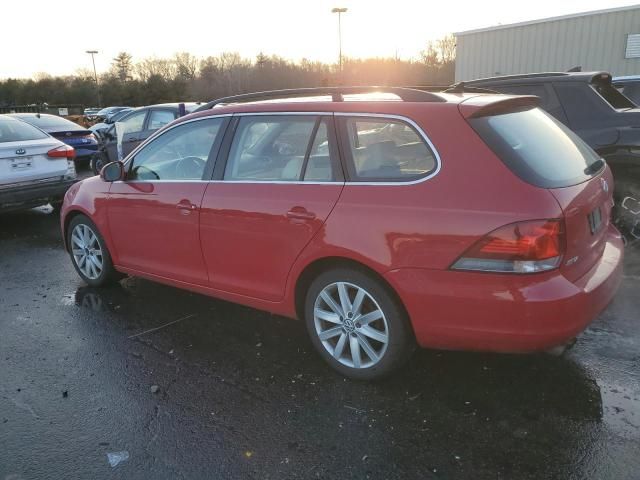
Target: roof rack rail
460	87
406	94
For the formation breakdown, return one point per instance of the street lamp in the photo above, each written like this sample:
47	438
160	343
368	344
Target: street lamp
95	74
339	11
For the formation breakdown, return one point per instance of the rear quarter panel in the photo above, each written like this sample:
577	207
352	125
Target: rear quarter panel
429	224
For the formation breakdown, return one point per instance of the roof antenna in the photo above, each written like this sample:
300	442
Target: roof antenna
457	88
577	68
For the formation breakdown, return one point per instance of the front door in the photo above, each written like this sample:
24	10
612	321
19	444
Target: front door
281	181
154	213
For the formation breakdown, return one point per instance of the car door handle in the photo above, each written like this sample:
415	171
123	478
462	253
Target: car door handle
186	206
300	213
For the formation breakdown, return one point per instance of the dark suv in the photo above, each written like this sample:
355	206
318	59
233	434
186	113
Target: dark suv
606	119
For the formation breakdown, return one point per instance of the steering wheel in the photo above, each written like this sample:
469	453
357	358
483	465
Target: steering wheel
141	172
189	167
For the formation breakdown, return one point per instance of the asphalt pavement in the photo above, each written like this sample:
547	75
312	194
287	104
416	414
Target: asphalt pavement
144	381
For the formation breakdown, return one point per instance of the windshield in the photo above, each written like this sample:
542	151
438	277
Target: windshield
538	148
17	131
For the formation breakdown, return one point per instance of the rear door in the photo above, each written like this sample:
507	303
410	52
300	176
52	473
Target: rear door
280	181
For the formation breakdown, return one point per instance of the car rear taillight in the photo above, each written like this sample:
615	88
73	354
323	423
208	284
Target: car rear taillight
63	151
523	247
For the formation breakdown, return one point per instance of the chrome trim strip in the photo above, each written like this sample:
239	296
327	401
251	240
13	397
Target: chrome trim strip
339	114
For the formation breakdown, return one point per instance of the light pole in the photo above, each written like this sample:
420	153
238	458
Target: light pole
95	74
339	11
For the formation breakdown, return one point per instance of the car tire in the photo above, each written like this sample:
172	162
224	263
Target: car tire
89	253
368	341
98	160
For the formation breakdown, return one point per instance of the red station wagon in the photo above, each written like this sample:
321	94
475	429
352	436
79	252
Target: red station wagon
382	217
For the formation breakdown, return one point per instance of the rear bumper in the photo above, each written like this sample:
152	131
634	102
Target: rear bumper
28	196
507	313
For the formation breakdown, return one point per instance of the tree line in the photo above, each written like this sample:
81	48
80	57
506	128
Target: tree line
185	77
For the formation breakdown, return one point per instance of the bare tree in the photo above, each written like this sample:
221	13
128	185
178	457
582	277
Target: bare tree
186	65
446	48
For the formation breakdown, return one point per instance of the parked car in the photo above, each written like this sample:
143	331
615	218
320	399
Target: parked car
109	111
481	223
138	125
99	128
82	140
607	120
629	86
91	111
35	168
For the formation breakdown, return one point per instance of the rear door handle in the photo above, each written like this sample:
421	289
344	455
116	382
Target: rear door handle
300	213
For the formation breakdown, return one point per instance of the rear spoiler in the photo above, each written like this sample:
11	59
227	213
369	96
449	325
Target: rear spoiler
488	105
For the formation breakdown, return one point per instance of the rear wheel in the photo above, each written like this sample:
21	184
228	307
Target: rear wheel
356	324
89	253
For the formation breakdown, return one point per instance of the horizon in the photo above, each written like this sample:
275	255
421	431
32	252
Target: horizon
369	30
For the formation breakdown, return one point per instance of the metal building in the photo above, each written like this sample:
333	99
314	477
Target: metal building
601	40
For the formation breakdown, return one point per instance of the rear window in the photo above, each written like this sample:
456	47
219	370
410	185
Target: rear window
50	122
17	131
538	148
613	96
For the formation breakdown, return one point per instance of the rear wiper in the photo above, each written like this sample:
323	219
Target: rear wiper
594	167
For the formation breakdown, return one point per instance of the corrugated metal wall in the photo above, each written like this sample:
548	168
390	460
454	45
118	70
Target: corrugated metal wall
596	42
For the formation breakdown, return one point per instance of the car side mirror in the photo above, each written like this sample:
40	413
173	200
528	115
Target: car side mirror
112	172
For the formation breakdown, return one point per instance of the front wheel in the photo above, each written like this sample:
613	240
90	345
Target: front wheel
356	325
89	253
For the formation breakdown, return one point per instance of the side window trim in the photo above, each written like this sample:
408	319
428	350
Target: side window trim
347	157
307	154
211	159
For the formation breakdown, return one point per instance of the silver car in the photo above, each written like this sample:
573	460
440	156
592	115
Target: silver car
35	168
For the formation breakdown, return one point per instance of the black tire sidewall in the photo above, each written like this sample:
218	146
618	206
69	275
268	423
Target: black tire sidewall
108	272
401	339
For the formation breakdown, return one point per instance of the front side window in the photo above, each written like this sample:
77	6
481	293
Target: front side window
386	150
179	154
159	118
280	148
134	122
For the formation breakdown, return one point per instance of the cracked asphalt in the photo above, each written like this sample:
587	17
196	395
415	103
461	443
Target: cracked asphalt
241	393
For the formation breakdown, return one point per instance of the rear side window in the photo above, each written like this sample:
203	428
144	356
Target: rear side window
17	131
280	148
386	150
538	148
159	118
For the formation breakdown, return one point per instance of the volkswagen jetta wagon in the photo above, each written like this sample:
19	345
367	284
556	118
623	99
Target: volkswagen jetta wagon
381	217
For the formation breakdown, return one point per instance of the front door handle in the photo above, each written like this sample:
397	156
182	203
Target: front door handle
300	213
185	206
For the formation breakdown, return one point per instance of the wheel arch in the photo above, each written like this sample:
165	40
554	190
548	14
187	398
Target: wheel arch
320	265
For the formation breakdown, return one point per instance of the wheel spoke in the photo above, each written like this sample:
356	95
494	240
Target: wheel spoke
337	352
327	316
367	318
373	333
368	349
330	333
355	351
331	303
345	303
77	251
357	302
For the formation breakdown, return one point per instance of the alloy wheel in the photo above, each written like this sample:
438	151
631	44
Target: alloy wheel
351	325
86	251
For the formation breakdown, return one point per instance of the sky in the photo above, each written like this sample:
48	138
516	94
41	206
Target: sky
52	37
